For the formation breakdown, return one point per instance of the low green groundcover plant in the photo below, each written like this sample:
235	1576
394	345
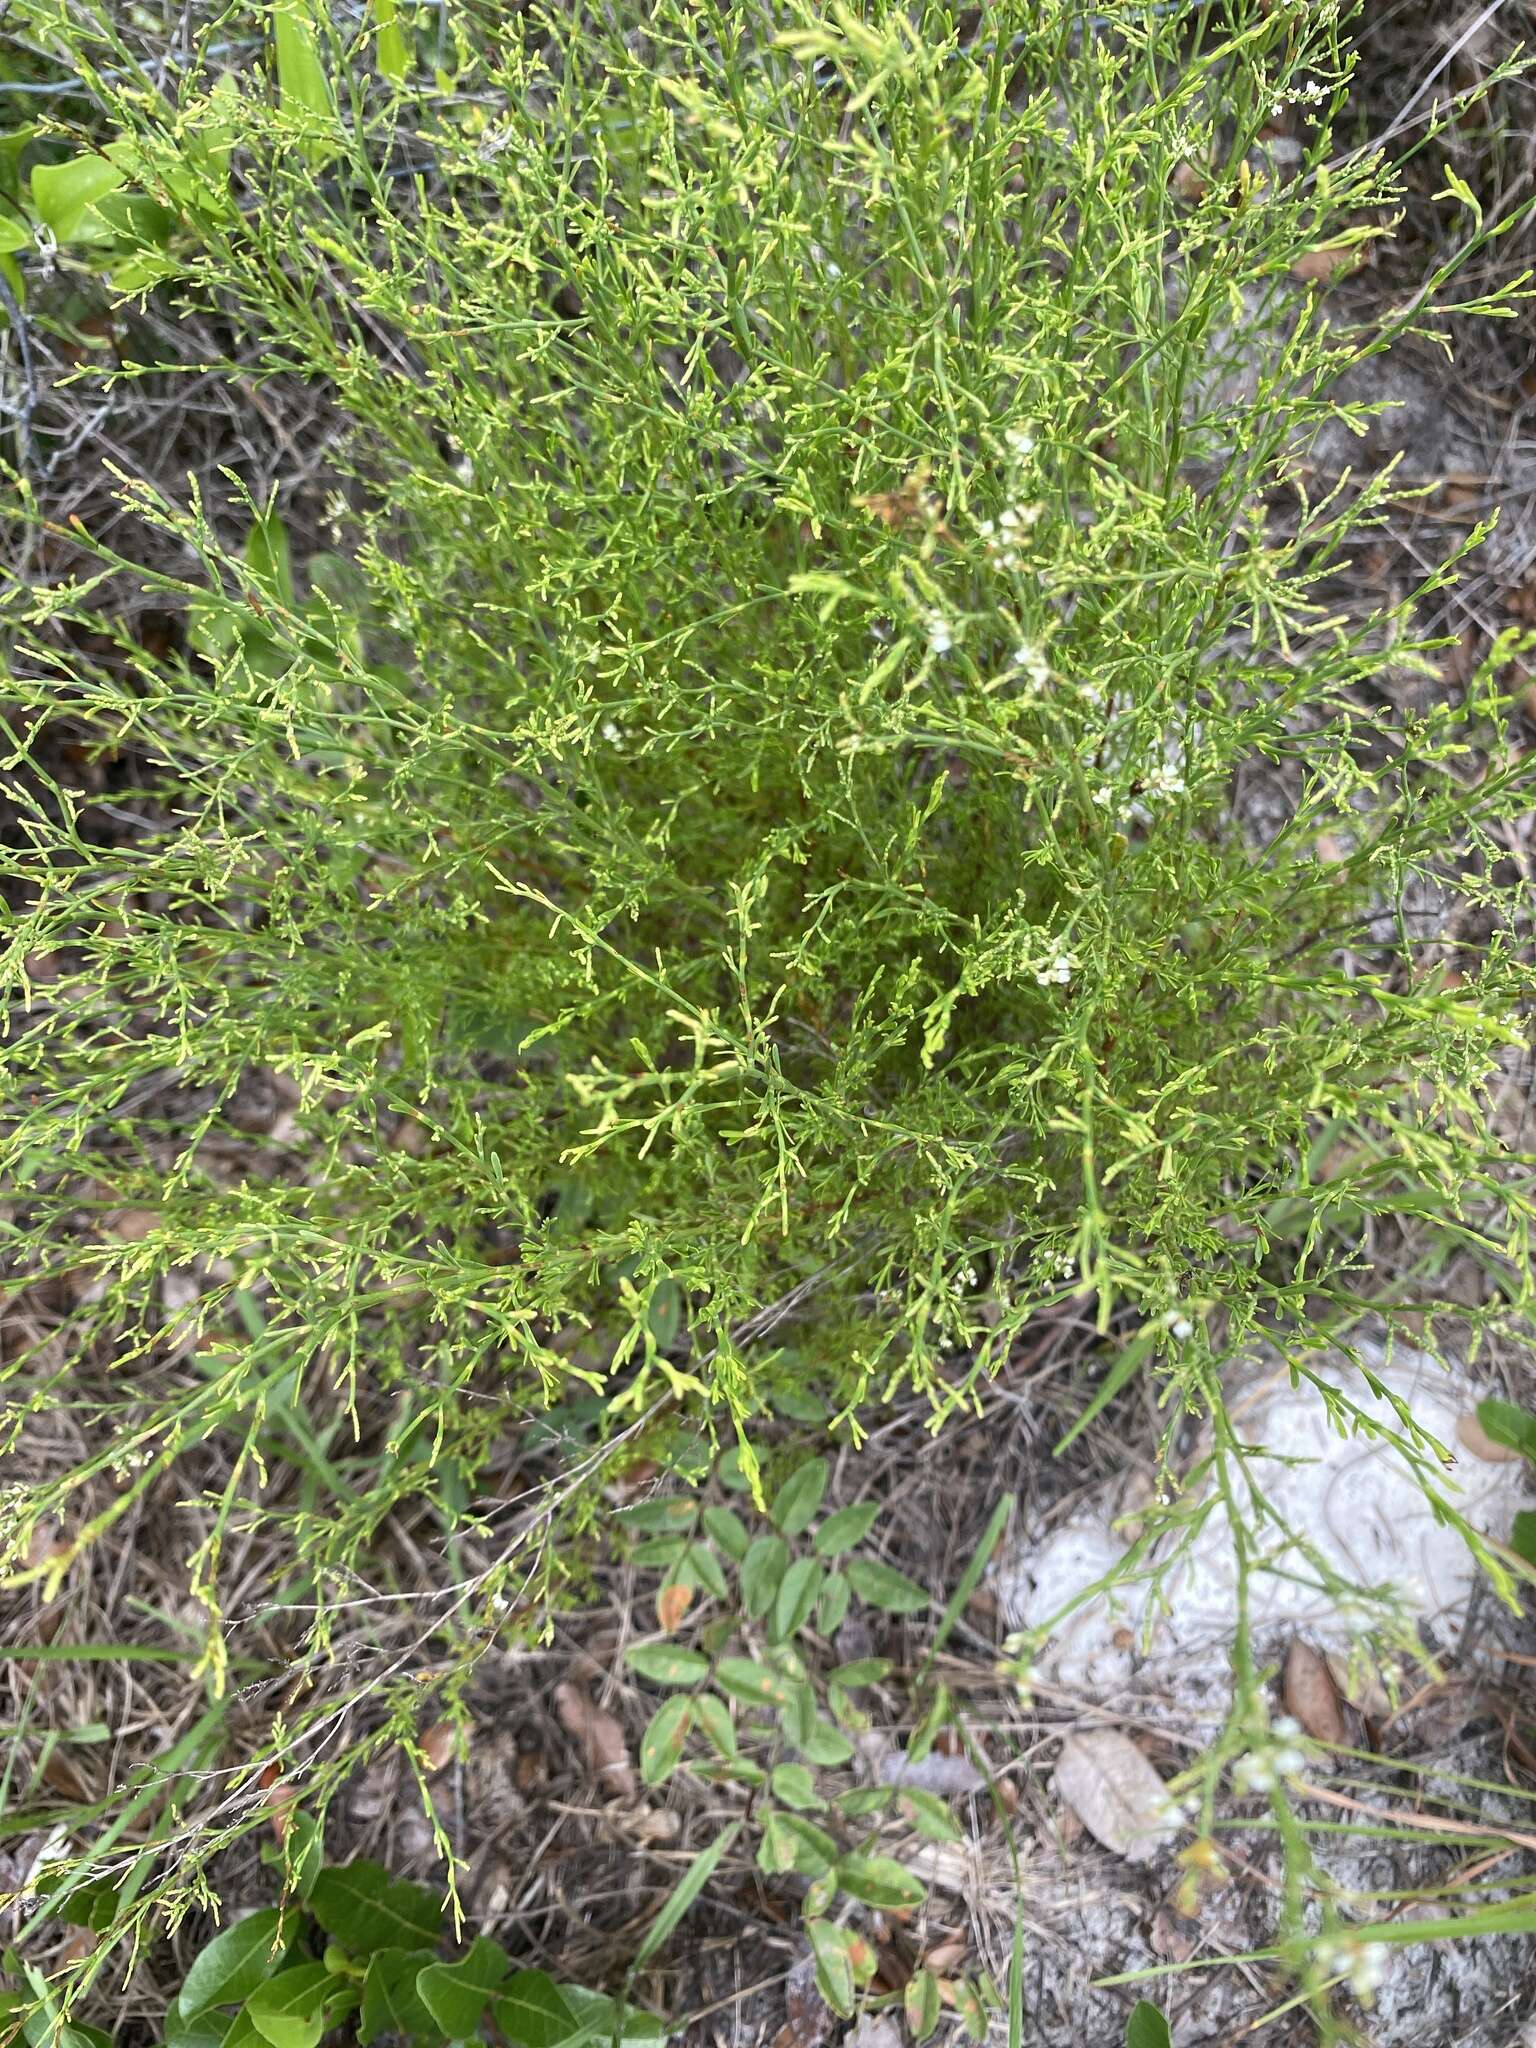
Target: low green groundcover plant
833	795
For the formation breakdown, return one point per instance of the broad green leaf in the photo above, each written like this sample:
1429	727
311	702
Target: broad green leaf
391	2003
1508	1425
833	1948
755	1683
725	1527
531	2008
795	1504
661	1746
234	1962
287	2011
859	1801
864	1671
973	2014
1522	1537
921	2004
880	1586
792	1785
205	2029
789	1843
269	557
666	1663
823	1744
391	52
846	1529
833	1604
797	1712
714	1720
762	1570
301	77
657	1517
63	193
928	1814
699	1566
1146	2027
457	1993
880	1881
365	1909
799	1590
664	1313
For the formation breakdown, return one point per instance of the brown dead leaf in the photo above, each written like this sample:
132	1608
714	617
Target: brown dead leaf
1317	266
438	1745
1472	1436
1310	1694
1115	1792
1359	1680
1174	1936
672	1603
945	1956
278	1796
599	1738
133	1225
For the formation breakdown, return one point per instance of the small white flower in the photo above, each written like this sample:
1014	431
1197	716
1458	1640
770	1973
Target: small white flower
1182	1328
1103	795
1033	663
1066	1267
941	636
1059	970
1021	442
612	731
1287	1727
1286	1761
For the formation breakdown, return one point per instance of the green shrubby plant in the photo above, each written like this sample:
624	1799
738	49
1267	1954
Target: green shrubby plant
753	790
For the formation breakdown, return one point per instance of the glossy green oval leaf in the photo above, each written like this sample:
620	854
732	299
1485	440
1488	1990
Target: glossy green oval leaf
757	1684
1147	2028
793	1786
288	2010
62	194
799	1590
921	2004
846	1529
391	52
878	1585
457	1993
666	1663
391	2004
723	1526
229	1969
761	1571
364	1908
880	1881
662	1744
795	1504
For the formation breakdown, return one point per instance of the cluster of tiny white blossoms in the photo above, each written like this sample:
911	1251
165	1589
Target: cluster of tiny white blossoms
941	634
1003	535
1027	656
1268	1763
1058	968
1310	94
1163	781
1365	1963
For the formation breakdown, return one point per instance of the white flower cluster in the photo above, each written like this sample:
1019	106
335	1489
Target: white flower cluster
941	635
1027	656
1365	1963
1003	535
1267	1764
1312	93
1059	969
